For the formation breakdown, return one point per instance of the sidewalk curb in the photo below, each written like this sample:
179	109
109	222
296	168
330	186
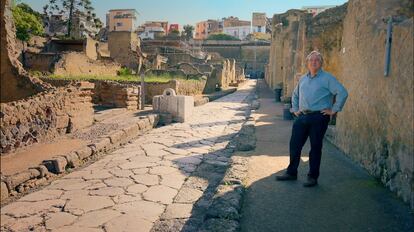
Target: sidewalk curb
224	213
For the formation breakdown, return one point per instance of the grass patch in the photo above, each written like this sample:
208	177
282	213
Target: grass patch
123	78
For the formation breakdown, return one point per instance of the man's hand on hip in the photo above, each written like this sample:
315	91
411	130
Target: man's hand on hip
297	113
328	112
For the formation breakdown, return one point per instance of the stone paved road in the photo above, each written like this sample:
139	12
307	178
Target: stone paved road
148	181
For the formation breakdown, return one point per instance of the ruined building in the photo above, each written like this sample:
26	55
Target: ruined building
376	127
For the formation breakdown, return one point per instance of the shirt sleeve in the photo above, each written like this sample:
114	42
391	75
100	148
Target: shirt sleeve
295	98
341	93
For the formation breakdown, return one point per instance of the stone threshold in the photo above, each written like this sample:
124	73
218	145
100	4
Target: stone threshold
17	185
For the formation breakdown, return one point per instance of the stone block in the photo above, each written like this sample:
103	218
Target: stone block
117	136
73	160
84	152
180	107
102	145
4	191
59	164
131	131
19	178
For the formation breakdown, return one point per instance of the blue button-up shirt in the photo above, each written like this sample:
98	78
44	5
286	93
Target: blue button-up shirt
317	93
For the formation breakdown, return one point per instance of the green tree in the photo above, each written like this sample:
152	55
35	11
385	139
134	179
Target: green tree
221	36
27	22
69	7
188	31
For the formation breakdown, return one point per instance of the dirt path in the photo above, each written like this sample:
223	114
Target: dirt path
347	198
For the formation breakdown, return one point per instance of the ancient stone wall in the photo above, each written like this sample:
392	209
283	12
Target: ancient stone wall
43	62
90	48
77	63
45	116
188	69
113	94
122	48
376	127
15	81
222	76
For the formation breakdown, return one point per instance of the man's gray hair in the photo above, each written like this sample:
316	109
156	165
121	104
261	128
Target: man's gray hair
315	53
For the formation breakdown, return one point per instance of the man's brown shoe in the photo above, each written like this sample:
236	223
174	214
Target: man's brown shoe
286	177
310	182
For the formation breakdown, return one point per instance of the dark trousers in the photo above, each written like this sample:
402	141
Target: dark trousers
313	126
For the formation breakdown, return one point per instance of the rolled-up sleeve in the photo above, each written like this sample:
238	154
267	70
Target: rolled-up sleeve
340	92
295	99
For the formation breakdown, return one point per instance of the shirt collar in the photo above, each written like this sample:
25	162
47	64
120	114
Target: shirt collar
317	74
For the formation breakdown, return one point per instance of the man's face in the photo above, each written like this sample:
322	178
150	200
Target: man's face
314	64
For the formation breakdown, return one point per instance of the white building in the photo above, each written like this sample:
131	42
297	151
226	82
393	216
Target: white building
151	33
240	32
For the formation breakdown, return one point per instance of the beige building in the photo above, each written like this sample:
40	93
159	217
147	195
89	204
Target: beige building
205	28
259	22
121	20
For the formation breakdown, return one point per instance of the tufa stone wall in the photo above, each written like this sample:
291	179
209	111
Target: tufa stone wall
77	63
376	127
15	81
122	47
45	116
222	76
113	94
43	62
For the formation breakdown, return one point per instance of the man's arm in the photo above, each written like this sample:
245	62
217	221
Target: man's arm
341	93
295	98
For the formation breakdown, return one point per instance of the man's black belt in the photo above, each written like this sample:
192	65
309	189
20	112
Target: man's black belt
305	112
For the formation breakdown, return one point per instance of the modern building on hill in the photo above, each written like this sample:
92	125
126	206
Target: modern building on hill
122	20
314	10
259	22
205	28
235	27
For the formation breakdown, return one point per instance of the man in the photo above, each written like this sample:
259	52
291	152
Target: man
312	103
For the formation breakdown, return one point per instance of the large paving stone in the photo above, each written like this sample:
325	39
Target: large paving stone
160	193
59	219
46	194
107	191
25	209
98	174
137	188
188	195
154	149
128	223
77	228
96	218
146	179
173	180
147	210
162	170
69	184
79	206
176	211
118	182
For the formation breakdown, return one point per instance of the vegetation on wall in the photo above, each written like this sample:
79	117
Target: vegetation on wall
221	37
28	22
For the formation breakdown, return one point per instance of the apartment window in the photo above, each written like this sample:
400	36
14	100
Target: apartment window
119	24
259	29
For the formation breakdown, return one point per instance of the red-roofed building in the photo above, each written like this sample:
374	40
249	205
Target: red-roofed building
174	27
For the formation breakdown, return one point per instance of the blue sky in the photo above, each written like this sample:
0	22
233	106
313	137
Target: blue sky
192	11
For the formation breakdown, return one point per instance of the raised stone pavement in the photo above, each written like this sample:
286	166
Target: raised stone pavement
156	179
346	199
